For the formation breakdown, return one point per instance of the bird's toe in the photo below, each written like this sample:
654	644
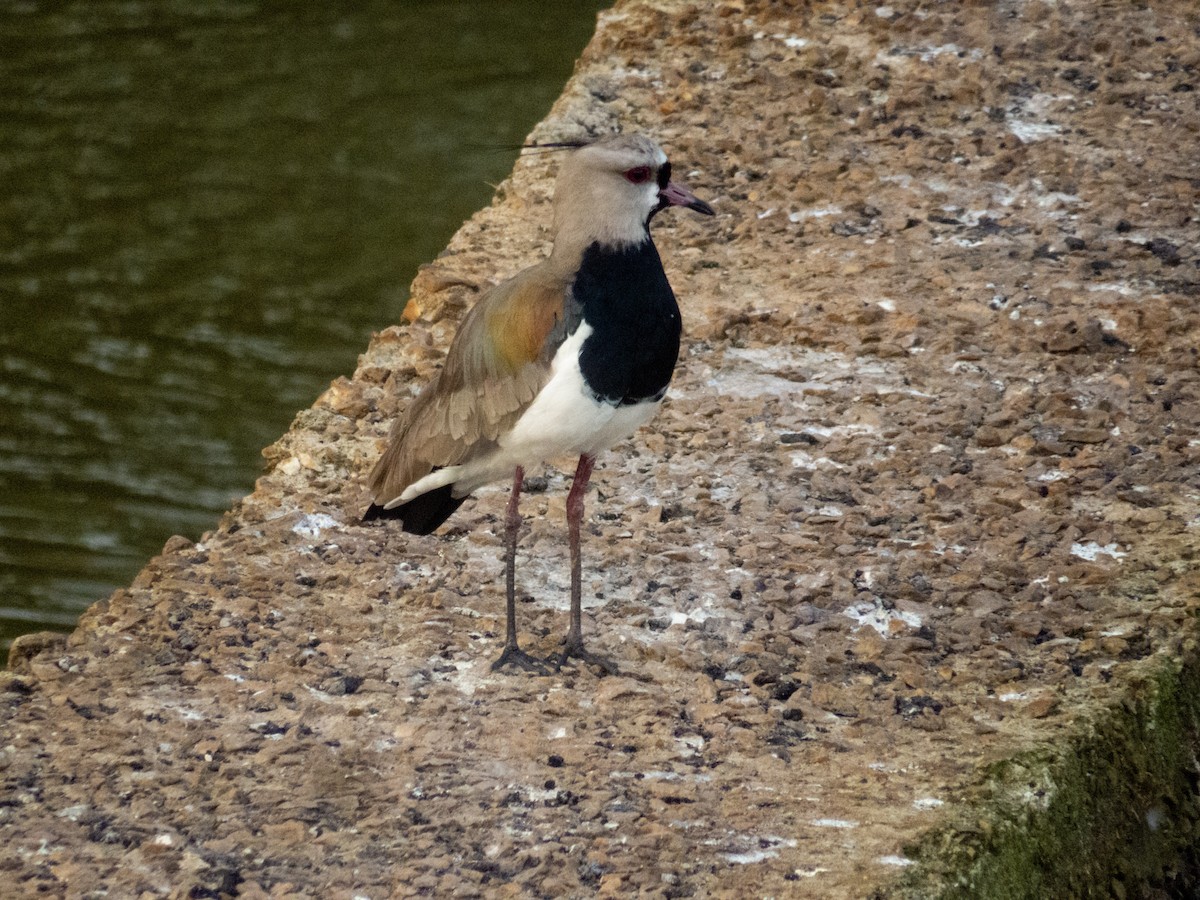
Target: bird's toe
575	650
515	656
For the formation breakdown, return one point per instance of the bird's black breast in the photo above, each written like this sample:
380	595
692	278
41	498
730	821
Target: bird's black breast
624	296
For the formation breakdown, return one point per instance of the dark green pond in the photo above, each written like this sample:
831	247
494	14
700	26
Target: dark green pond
205	210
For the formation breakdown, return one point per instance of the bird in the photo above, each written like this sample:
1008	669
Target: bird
565	358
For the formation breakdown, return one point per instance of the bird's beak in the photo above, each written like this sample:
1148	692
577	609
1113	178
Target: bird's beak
675	194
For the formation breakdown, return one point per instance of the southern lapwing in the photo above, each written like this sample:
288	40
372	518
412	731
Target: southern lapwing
567	357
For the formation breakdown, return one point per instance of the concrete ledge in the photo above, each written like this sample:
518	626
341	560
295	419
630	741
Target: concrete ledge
1113	811
901	582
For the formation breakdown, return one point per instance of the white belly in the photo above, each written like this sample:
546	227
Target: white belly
563	420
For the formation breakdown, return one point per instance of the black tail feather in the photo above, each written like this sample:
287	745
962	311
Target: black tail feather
420	515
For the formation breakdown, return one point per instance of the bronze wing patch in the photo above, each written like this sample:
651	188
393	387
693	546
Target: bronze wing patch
496	365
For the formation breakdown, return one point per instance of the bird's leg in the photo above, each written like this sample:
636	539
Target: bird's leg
573	646
512	524
583	473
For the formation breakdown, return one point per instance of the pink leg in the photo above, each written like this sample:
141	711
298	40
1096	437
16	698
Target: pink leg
573	646
512	525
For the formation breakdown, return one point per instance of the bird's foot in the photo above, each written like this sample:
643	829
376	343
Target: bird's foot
515	656
574	649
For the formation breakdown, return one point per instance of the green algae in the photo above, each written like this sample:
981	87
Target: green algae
1112	812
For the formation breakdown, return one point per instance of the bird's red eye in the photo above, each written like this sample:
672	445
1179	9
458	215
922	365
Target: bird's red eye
638	175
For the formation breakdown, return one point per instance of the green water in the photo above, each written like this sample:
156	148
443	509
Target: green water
205	210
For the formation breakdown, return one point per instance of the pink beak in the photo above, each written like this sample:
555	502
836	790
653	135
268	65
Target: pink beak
676	194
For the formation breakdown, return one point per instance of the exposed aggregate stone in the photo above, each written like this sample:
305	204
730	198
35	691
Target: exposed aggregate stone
925	494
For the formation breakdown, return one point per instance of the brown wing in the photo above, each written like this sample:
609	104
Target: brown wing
497	363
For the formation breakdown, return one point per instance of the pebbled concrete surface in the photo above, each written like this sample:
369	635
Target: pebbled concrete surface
915	532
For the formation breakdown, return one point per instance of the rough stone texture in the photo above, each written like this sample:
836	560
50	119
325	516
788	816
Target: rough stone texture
904	569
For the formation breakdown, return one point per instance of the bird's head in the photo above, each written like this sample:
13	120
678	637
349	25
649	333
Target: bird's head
608	191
